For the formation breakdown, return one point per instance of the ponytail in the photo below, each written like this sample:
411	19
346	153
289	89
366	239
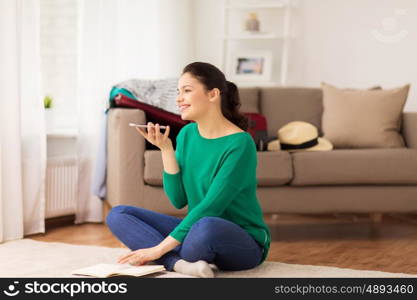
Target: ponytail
230	106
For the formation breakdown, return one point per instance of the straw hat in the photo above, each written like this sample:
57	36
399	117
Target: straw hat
273	145
302	136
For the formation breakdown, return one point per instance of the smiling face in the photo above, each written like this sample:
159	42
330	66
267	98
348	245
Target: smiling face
193	99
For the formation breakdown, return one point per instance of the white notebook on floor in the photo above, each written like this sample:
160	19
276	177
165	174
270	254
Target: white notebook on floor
109	270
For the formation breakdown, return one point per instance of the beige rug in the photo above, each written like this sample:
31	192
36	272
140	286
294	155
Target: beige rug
30	258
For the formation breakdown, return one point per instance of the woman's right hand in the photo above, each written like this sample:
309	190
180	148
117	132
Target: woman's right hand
155	137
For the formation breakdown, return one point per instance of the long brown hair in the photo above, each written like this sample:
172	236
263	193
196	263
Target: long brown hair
211	77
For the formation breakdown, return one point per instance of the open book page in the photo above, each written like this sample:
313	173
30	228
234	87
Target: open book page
107	270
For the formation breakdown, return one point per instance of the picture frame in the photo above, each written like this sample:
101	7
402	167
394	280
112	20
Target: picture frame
250	66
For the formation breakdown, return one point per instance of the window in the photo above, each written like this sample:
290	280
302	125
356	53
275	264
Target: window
59	42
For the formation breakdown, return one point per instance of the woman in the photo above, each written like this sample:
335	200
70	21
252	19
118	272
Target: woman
213	171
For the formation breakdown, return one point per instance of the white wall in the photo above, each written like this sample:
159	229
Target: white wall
176	32
342	42
208	29
337	41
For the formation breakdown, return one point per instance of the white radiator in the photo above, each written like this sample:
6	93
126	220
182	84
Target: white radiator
61	186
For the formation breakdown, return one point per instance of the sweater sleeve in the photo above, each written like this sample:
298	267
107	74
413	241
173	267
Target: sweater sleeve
237	171
172	183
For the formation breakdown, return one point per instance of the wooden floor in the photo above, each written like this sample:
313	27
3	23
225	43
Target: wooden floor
344	240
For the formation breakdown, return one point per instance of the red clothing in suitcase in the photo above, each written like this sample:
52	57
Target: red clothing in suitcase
258	129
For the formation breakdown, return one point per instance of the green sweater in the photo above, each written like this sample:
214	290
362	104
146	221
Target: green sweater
217	178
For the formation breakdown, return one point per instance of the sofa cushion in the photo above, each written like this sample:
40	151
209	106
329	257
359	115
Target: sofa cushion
355	166
249	98
153	167
274	168
363	118
281	105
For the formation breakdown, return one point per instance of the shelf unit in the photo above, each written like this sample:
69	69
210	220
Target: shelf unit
62	133
234	41
252	6
255	36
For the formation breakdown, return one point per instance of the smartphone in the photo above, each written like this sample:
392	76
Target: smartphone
144	126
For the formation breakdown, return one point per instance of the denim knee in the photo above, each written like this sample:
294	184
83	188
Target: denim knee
114	214
208	221
198	242
206	225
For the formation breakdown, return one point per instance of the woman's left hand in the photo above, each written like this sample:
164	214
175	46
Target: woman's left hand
140	256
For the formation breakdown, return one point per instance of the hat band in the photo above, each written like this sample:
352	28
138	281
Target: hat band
304	145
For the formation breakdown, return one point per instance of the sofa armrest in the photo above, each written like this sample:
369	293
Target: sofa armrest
409	129
125	157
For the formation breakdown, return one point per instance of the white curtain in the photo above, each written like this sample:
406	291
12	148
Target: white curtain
120	40
22	125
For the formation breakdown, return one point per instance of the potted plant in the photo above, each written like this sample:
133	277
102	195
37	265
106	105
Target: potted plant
48	102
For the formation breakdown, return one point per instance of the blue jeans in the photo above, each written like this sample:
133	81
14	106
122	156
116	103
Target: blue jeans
215	240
